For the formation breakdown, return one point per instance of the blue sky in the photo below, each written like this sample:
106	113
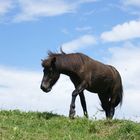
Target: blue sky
105	30
26	38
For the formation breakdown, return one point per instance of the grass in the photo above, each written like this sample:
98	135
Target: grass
16	125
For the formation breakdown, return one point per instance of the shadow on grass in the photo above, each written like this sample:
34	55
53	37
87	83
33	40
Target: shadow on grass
47	115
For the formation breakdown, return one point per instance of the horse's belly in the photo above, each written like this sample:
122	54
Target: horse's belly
97	89
100	85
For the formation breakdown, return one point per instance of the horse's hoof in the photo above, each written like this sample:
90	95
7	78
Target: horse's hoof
71	117
109	118
72	114
86	114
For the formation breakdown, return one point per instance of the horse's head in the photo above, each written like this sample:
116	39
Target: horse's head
50	76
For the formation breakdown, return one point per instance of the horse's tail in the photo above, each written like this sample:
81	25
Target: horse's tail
119	91
120	95
117	97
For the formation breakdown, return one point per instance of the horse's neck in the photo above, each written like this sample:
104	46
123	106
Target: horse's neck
63	67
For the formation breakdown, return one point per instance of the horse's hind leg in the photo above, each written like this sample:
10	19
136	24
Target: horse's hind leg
114	101
105	103
83	103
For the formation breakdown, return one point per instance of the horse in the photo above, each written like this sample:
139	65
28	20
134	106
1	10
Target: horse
86	74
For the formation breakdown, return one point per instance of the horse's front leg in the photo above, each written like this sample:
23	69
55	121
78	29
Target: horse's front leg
72	105
77	91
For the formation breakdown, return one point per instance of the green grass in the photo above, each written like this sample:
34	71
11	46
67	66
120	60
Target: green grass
16	125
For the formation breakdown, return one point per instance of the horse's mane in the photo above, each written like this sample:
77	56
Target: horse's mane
53	54
72	59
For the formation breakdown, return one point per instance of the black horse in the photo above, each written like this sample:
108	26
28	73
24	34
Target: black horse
85	73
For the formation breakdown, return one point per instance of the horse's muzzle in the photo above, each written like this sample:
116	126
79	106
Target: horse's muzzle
45	89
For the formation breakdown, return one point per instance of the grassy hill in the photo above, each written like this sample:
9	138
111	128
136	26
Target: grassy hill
16	125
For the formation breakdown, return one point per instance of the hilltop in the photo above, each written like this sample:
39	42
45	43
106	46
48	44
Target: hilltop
16	125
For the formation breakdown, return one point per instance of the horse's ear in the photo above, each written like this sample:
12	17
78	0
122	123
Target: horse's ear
61	50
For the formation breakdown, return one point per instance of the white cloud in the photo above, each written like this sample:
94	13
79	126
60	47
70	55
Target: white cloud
131	6
5	6
81	42
125	31
33	9
131	3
